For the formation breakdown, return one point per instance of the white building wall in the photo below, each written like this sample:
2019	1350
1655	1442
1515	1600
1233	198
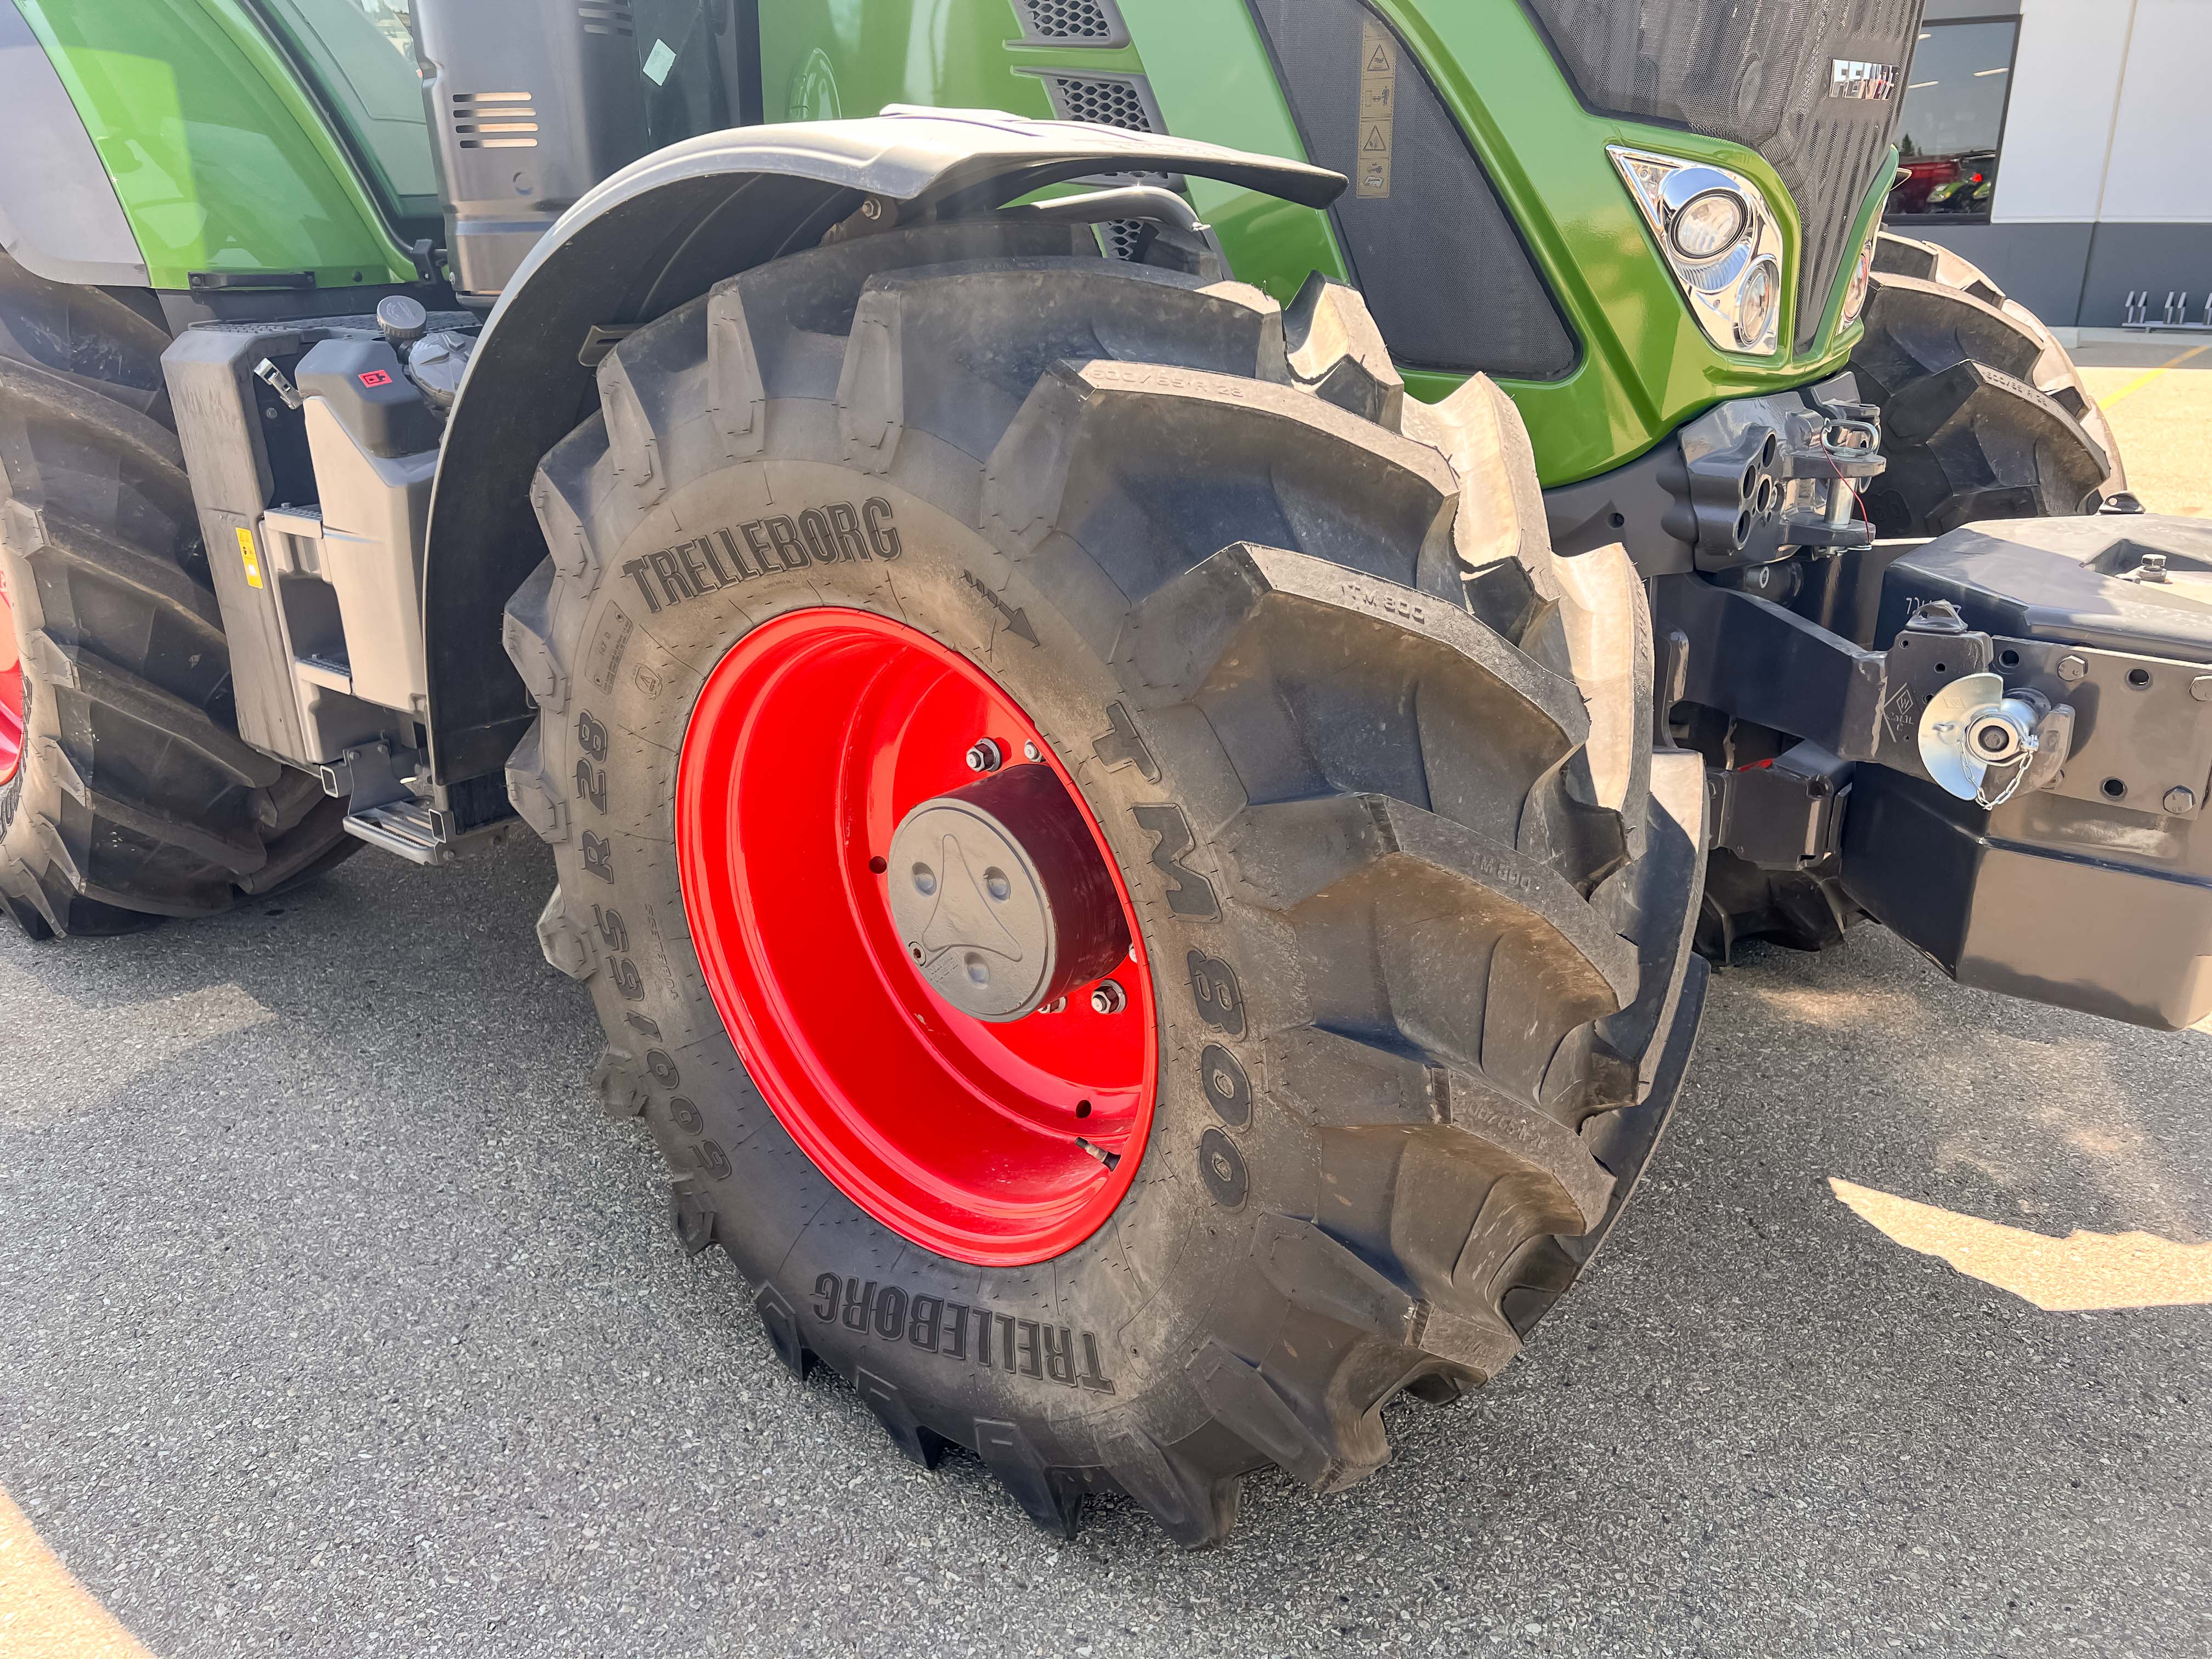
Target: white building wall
2066	82
2104	175
2160	171
2110	116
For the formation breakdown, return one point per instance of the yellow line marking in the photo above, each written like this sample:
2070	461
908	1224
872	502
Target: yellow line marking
45	1613
2142	380
2074	1274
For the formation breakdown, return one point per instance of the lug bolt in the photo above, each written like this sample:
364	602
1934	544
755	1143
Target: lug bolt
1031	751
1108	997
985	755
2072	668
2179	801
1057	1005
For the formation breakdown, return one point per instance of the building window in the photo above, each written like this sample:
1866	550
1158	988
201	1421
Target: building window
1954	122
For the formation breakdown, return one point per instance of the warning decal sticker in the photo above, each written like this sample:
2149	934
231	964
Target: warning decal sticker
1378	107
252	562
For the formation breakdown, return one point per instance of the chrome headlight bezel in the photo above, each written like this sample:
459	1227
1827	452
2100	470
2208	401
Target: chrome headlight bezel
1861	285
1714	286
1752	325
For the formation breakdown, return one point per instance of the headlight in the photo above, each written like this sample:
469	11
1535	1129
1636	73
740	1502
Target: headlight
1855	296
1720	238
1761	299
1711	224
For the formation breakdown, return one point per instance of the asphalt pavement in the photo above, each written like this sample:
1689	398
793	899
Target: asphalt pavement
335	1320
2156	390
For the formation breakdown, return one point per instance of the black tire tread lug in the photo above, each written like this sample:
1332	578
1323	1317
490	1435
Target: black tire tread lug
1984	413
1245	1402
1333	345
1047	1495
1194	1507
920	1445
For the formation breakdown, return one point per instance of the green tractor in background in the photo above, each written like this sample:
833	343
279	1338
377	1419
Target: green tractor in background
1154	641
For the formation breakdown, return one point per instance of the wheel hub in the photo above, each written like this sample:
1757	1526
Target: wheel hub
1000	897
910	958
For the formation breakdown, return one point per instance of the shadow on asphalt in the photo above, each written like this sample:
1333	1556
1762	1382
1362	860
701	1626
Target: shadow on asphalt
337	1320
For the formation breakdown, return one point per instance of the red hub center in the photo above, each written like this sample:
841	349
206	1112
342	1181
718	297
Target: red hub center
11	691
971	1056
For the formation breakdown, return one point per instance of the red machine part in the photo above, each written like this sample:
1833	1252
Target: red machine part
993	1142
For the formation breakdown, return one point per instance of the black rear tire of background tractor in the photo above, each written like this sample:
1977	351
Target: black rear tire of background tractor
1984	413
136	798
1223	573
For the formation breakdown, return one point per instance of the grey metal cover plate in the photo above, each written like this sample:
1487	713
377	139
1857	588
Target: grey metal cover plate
2143	722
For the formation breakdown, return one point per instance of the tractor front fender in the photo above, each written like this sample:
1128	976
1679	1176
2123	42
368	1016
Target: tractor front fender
655	236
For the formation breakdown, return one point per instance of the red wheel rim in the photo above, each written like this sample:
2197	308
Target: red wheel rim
993	1143
11	691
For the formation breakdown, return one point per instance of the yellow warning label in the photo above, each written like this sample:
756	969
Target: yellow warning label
246	552
1378	108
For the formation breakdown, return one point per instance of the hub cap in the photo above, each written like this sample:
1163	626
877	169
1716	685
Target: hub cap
11	692
905	954
1001	894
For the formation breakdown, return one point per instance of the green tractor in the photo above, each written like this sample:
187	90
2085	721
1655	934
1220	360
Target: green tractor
1155	641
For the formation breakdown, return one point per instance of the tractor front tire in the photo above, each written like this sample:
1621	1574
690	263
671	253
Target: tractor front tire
1405	925
131	796
1984	413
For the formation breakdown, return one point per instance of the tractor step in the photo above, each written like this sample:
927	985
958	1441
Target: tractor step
407	828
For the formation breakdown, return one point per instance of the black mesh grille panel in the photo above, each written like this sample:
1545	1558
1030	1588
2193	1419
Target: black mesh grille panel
1071	22
1433	250
1123	239
1110	100
1113	103
1756	73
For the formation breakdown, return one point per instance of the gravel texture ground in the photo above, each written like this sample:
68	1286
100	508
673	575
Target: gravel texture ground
334	1320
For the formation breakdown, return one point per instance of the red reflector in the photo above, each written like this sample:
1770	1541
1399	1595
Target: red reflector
1977	178
376	377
